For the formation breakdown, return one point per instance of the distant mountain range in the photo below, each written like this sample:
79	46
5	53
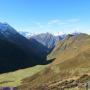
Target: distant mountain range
25	52
47	39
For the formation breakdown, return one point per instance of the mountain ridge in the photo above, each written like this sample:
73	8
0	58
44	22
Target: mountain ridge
72	58
35	51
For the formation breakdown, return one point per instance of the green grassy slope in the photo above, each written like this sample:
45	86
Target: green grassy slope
13	79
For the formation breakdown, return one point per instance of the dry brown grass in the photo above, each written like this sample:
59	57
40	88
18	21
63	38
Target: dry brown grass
72	59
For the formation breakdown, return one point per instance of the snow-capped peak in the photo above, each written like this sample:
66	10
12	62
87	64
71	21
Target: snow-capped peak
6	28
8	32
27	34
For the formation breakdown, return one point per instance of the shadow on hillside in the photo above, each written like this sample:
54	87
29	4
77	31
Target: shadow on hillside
12	57
48	61
9	67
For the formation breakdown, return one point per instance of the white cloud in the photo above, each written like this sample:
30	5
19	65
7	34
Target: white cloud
56	26
63	22
53	22
56	22
58	33
74	20
38	24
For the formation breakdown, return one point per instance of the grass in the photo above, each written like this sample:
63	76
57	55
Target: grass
49	75
76	89
13	79
72	60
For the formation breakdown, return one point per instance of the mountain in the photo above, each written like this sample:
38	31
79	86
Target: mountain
12	57
70	57
16	45
10	34
76	43
27	34
47	39
72	60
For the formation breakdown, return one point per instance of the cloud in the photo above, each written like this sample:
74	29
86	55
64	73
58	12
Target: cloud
56	22
53	22
73	20
63	22
58	33
57	25
38	24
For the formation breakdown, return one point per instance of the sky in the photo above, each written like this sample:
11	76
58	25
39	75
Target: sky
55	16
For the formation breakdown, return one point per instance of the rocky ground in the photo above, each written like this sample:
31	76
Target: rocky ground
77	83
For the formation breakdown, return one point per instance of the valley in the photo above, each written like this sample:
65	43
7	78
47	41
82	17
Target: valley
54	63
67	64
44	44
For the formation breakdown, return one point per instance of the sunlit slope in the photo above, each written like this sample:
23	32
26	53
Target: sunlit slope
13	79
71	68
72	60
70	47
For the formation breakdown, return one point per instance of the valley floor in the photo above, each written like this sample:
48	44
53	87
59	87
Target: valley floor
13	79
